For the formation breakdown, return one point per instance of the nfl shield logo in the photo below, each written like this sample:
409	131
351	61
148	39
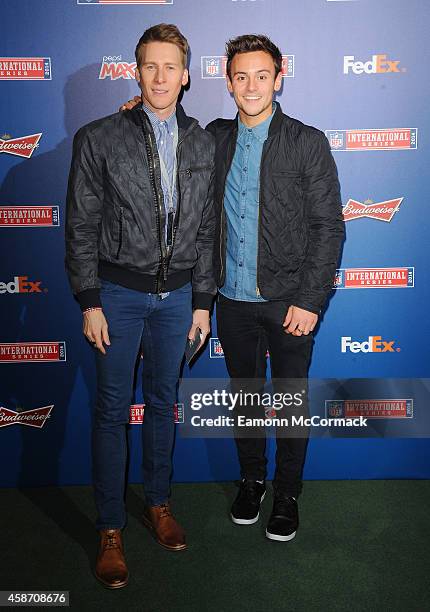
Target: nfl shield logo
212	67
336	141
338	281
334	408
215	349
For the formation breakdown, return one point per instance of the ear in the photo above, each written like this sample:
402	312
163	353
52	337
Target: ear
229	85
185	77
278	82
137	75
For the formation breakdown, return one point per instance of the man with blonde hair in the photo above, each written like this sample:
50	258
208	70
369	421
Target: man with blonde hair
139	243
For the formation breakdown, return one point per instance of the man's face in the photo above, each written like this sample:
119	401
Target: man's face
161	75
252	84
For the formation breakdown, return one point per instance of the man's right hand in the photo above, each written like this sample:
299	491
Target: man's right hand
131	103
96	329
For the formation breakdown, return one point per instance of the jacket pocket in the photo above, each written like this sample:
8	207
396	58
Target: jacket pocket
121	231
288	186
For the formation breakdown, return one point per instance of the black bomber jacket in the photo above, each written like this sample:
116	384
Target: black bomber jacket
116	216
300	228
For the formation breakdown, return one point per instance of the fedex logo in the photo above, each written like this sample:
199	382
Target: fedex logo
374	344
379	64
21	284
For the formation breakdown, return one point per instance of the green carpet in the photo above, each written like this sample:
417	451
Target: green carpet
361	545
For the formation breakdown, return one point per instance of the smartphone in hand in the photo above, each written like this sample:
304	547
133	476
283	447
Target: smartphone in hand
192	346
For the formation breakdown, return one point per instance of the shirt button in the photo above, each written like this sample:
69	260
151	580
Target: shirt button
247	146
242	216
240	264
243	192
241	240
245	169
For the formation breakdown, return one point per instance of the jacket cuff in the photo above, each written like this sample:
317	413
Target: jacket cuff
90	298
309	307
202	300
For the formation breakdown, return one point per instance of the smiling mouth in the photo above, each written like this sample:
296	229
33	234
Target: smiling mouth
252	98
159	91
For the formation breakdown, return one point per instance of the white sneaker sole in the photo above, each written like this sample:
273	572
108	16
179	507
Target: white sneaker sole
280	538
238	521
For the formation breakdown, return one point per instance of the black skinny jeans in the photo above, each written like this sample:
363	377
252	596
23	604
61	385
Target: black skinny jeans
246	330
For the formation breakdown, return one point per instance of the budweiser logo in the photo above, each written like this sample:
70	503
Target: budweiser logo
25	352
23	146
383	211
33	418
26	216
371	408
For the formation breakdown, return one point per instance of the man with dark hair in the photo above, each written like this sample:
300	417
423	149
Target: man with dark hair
139	245
278	237
279	231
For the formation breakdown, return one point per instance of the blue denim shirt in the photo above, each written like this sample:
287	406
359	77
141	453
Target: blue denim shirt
241	203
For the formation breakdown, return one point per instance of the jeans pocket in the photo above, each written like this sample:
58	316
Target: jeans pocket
187	288
108	287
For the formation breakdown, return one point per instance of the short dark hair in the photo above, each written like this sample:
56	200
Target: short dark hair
253	42
163	32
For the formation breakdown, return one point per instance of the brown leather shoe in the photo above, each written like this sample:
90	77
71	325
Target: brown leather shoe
111	568
164	527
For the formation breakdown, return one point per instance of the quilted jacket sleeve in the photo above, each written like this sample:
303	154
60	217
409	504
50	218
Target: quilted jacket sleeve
83	217
323	210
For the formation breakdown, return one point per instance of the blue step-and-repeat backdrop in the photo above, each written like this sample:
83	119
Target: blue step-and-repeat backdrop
356	69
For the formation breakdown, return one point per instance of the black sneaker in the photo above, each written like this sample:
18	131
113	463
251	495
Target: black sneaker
284	520
246	507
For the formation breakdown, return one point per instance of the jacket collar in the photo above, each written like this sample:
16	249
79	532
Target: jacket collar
184	122
275	124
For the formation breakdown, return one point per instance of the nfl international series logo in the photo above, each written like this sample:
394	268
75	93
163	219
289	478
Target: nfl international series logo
215	349
214	66
374	278
389	139
137	413
31	352
33	418
371	409
125	1
22	146
25	69
382	211
288	65
29	216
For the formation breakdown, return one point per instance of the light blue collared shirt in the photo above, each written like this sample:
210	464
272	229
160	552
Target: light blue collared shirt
241	204
164	132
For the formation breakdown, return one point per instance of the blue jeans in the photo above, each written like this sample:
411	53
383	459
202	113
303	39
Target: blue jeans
162	325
